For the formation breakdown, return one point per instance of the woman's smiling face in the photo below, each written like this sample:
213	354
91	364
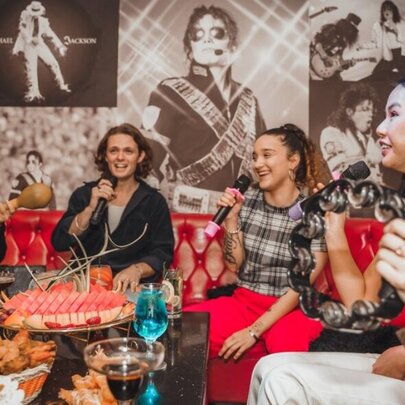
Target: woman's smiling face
272	163
392	131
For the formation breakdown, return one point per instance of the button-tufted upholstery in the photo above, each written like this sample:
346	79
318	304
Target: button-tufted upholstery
28	240
28	237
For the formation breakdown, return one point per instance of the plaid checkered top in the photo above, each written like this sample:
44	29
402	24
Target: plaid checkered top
266	231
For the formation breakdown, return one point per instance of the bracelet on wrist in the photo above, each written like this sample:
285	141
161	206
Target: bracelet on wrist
78	226
237	230
254	336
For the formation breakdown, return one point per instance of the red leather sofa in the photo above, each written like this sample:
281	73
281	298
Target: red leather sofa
28	240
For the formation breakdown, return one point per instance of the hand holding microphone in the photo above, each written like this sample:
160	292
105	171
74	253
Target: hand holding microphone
357	171
238	189
102	188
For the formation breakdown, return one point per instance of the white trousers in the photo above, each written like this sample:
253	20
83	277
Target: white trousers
322	379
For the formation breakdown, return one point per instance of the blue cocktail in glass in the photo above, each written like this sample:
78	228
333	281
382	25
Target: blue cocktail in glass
150	314
150	322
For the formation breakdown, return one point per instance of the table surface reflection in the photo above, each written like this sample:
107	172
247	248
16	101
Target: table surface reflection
184	380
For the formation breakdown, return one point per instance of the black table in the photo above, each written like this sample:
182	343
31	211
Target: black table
183	382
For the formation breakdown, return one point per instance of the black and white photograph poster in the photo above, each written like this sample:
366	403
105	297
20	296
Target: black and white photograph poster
357	53
205	80
59	53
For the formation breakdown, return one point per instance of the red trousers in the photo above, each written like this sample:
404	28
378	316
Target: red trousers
291	333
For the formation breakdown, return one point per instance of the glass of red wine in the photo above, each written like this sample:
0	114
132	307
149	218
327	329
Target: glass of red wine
124	361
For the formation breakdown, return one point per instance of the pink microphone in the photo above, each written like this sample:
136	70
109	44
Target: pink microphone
240	186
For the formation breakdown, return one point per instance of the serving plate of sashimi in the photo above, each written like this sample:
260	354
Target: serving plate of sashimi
63	309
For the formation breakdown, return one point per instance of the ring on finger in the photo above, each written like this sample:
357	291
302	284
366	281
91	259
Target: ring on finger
400	251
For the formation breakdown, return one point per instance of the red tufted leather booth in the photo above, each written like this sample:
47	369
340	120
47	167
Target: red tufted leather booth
28	238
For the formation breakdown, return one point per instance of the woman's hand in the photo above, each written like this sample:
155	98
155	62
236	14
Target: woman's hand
127	278
233	200
391	256
6	210
237	344
334	225
103	189
391	363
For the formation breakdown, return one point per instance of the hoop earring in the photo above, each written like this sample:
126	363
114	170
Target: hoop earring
291	175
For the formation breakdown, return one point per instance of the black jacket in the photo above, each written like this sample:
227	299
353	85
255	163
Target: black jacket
146	206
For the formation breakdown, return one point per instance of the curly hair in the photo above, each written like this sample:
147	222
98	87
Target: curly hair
216	12
350	98
143	168
347	30
307	171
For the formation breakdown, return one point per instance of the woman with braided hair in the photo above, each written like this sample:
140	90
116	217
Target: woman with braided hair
353	377
257	230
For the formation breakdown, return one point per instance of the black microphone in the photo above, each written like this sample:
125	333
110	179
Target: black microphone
102	203
240	186
356	171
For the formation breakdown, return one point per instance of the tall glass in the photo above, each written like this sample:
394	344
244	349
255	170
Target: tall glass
101	274
151	322
124	361
174	283
150	314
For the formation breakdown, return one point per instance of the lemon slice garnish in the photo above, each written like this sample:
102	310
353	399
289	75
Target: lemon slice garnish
174	301
168	291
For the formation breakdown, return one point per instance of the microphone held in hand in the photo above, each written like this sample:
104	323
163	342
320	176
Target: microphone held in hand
240	186
102	203
356	171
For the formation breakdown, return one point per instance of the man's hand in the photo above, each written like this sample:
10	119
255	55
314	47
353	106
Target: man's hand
104	189
237	344
391	363
127	278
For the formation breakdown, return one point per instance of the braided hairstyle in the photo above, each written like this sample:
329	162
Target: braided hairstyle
307	171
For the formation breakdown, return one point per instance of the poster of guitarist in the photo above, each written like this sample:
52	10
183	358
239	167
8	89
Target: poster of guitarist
328	45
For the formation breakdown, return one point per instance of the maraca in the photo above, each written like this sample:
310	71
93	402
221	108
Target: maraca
37	195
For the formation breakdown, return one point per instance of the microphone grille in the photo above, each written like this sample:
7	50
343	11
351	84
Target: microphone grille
356	171
242	183
112	179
